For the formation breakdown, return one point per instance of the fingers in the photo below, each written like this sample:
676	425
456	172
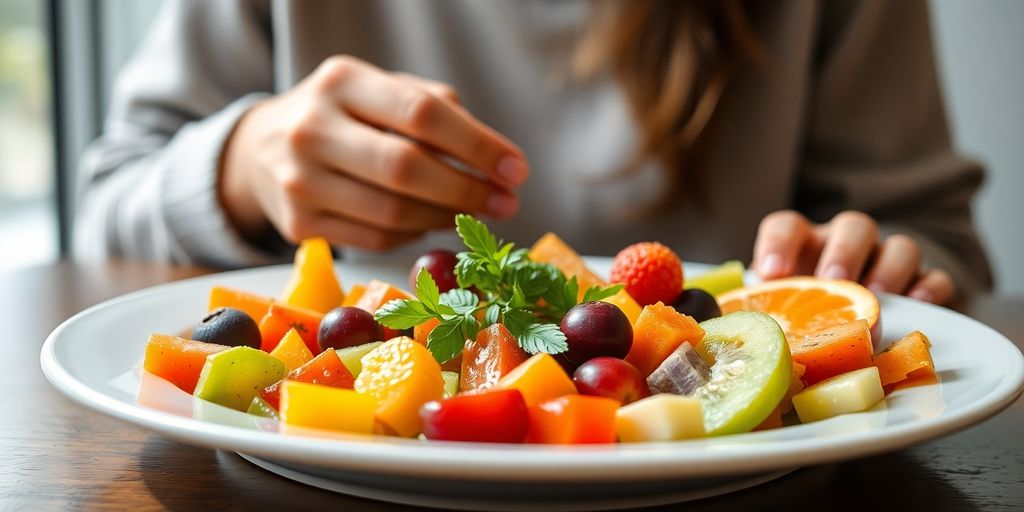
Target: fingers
852	237
391	103
337	194
401	166
895	266
345	232
780	239
439	89
934	286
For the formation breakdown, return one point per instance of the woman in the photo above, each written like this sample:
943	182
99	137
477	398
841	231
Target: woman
816	126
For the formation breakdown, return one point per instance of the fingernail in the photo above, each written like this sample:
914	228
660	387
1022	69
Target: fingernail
772	265
502	205
835	271
877	288
512	169
922	295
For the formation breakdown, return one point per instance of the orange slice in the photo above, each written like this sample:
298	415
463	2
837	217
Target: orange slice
803	305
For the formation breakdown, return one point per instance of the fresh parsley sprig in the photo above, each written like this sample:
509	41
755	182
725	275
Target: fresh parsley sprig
529	298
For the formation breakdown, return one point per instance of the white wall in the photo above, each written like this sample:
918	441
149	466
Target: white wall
980	45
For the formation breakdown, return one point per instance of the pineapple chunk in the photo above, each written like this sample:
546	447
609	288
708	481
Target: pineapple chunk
662	417
849	392
352	357
451	383
316	406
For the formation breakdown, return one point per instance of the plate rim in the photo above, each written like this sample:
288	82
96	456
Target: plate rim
521	462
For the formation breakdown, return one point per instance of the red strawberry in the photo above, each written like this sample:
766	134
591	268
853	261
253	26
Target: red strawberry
650	271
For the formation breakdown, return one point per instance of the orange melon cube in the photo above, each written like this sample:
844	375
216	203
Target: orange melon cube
313	284
326	407
492	355
627	304
280	318
833	351
353	295
255	306
573	419
539	378
379	293
178	360
553	250
292	351
907	358
659	331
421	331
402	375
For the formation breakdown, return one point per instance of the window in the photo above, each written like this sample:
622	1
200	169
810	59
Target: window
28	224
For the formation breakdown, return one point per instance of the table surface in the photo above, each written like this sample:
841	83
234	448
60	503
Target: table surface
56	455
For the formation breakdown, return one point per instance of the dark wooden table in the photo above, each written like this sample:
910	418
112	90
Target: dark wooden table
55	455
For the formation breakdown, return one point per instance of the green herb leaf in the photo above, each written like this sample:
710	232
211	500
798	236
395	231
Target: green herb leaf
402	314
598	292
492	315
475	234
426	290
446	340
533	336
460	300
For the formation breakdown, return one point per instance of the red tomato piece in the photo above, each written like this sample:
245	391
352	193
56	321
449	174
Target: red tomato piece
495	416
325	369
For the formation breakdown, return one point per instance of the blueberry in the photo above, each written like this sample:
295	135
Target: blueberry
228	326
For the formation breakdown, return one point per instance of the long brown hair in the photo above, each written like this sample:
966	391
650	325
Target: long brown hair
673	60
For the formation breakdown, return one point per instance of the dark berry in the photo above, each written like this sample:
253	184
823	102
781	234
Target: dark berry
228	326
699	304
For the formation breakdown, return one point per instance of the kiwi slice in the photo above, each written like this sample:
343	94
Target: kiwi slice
750	371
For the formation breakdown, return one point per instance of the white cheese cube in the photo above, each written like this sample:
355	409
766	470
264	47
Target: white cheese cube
662	417
850	392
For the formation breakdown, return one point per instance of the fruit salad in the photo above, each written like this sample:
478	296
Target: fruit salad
500	344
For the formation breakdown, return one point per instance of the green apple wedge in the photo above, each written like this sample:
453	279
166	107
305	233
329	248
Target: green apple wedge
725	277
233	377
750	371
352	357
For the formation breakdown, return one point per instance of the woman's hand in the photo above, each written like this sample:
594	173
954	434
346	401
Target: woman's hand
847	247
363	158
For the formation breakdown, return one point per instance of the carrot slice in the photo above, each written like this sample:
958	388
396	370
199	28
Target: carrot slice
833	350
255	306
178	360
907	358
659	331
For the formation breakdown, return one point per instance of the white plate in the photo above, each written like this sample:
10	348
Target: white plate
93	359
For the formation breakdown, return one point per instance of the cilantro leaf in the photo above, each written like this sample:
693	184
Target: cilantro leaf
534	336
446	340
460	300
475	234
402	314
600	292
492	314
426	290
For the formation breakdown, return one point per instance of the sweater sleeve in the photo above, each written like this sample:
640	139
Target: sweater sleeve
148	185
878	141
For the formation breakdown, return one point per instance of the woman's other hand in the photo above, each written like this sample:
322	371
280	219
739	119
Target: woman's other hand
847	247
363	157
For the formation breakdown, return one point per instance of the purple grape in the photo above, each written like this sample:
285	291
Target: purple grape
441	265
347	327
594	329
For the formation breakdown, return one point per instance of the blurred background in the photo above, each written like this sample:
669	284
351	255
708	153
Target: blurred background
58	59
